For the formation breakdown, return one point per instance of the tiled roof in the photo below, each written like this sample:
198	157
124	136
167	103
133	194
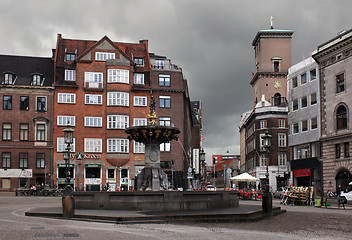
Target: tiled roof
23	67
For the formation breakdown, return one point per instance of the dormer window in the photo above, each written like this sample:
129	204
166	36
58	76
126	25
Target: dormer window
36	79
70	57
159	63
138	61
9	78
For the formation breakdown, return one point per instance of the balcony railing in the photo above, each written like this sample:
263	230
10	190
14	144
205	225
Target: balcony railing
93	85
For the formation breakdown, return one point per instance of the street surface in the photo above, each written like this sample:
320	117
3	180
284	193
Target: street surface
298	223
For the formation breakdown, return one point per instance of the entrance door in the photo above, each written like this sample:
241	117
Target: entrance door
343	178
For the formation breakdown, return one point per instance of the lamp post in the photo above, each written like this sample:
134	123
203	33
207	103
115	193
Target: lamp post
68	203
202	165
267	202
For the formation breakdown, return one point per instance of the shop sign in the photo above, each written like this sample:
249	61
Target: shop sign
63	181
64	165
16	173
93	165
302	172
92	181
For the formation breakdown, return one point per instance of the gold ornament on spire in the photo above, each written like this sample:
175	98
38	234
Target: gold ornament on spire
271	22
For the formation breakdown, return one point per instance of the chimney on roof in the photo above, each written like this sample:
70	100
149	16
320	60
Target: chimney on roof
53	53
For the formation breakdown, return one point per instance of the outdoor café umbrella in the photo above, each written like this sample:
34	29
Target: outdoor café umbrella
244	177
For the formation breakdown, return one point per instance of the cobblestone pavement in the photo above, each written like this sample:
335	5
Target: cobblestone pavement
297	223
300	221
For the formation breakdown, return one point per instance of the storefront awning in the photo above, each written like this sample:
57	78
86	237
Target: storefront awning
305	163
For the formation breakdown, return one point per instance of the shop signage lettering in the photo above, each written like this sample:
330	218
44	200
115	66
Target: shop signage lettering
302	172
80	156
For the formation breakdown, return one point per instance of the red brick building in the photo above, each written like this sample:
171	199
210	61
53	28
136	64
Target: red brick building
101	88
26	98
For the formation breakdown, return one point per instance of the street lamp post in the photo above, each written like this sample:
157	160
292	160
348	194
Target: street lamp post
68	203
267	202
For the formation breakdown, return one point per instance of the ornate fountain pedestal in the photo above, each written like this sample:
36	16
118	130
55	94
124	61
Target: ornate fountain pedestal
152	177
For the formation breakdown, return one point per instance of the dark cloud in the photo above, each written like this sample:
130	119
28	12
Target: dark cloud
210	40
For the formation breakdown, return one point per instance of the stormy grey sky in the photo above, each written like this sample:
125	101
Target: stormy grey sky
210	40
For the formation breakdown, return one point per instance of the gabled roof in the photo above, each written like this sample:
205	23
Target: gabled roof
24	67
105	38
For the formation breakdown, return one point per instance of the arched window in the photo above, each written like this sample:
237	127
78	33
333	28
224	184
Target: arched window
341	117
277	99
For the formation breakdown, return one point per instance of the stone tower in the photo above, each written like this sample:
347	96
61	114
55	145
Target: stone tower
272	49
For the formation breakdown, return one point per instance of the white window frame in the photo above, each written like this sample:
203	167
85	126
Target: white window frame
165	100
140	101
293	128
302	126
69	98
311	124
117	121
165	147
139	78
293	110
61	145
70	75
263	124
93	121
281	139
117	145
64	120
165	121
282	158
263	161
282	123
118	76
95	99
159	63
118	99
139	122
93	145
306	97
103	56
93	77
138	147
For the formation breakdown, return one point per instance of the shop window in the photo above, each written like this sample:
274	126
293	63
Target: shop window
111	173
92	172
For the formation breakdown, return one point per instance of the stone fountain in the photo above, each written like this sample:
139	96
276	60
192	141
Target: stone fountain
152	184
152	177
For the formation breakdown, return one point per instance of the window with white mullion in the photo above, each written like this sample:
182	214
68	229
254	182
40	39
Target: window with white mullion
64	120
70	75
118	99
119	145
138	147
103	56
117	121
61	145
140	101
118	76
263	160
93	77
282	139
94	99
93	121
93	145
282	158
67	98
138	78
139	122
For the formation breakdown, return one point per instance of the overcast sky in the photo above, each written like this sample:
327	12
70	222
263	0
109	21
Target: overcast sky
210	40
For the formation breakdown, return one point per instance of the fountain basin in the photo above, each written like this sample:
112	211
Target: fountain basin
156	200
